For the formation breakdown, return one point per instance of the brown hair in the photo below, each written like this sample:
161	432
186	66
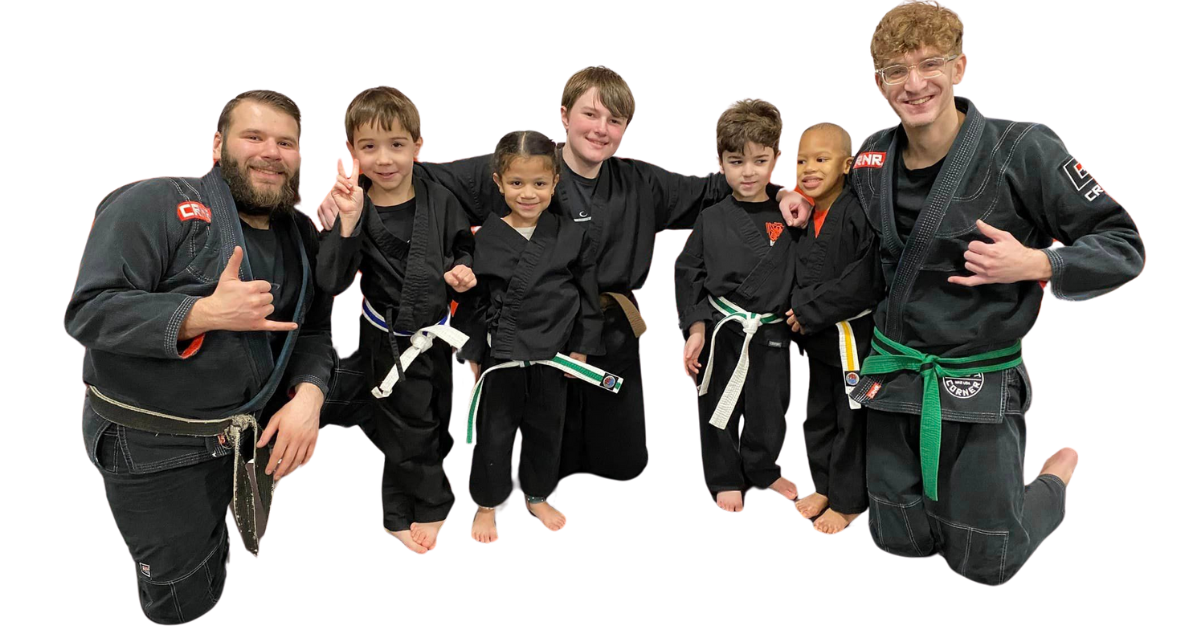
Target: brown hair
382	106
267	97
523	144
750	120
912	26
611	89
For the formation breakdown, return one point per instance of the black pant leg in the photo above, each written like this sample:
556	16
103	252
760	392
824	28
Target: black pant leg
765	400
897	520
605	433
820	425
848	451
719	447
541	429
501	406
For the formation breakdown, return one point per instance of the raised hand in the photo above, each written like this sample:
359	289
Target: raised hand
460	278
234	305
1004	260
347	195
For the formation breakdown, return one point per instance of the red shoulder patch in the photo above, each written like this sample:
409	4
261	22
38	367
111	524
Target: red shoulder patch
189	210
870	159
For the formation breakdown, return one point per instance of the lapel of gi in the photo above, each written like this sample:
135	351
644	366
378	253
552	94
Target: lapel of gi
523	273
416	281
770	257
914	252
229	229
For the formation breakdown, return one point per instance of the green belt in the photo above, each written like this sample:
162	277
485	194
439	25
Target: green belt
895	357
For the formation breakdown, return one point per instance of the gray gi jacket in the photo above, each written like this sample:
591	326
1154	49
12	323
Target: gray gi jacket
1017	177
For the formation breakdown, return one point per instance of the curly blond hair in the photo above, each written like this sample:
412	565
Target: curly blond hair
912	26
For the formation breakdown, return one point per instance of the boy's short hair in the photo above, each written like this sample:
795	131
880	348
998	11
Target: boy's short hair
750	120
842	134
266	97
382	105
913	25
612	90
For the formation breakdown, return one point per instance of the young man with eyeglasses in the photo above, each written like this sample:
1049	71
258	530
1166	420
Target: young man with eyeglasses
966	209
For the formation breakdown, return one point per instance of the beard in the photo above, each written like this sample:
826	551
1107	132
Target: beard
254	201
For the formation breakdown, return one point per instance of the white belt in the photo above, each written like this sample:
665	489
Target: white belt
733	389
580	370
420	340
848	348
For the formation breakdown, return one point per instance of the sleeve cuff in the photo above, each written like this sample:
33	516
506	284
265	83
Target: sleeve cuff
171	338
1058	269
309	378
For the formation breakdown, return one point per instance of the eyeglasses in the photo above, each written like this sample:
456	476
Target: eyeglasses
929	68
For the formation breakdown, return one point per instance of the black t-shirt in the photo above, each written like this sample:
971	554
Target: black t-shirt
273	258
912	188
765	215
583	188
398	221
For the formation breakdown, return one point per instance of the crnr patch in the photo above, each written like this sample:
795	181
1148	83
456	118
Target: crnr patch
1081	179
963	386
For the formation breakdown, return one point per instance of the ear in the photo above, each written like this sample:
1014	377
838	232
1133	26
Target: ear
496	178
350	148
417	147
846	166
960	68
562	111
554	185
217	147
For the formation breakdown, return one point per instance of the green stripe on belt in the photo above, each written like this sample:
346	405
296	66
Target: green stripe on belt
895	357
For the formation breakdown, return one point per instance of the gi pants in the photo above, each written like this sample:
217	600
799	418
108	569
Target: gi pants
534	400
986	521
411	426
733	462
835	437
605	433
168	495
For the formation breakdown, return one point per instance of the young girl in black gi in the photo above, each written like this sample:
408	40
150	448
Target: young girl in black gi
535	304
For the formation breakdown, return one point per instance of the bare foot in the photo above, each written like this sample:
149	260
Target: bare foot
786	488
550	517
811	505
483	528
425	534
406	538
730	500
1062	465
832	522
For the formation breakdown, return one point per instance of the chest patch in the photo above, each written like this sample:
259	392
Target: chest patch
1081	179
963	386
189	210
870	159
774	229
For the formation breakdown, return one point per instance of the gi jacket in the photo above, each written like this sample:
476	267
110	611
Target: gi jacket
536	297
837	277
729	255
632	202
156	247
1017	177
415	291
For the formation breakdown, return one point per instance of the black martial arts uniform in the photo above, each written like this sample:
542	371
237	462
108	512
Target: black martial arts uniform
1019	178
741	252
838	281
403	252
534	298
630	202
155	248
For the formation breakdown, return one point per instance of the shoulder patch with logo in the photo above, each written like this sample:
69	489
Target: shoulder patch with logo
1081	179
189	210
870	159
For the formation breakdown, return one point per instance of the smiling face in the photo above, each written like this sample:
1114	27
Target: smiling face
528	186
749	171
259	155
822	162
922	102
386	157
593	131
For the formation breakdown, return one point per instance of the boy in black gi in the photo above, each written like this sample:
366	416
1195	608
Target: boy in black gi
536	300
966	209
732	283
838	282
413	240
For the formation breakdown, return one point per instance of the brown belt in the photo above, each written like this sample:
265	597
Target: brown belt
607	300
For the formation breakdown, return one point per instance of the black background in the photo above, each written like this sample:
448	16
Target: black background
652	538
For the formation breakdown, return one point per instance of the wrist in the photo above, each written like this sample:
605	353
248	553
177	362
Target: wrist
197	321
347	227
1039	265
309	391
697	328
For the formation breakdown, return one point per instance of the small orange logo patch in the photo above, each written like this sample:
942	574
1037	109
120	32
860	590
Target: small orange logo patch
774	230
189	210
